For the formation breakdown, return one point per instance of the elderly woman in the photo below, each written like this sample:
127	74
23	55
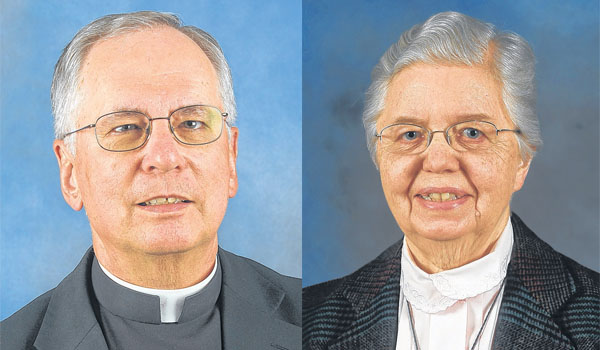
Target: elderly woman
451	125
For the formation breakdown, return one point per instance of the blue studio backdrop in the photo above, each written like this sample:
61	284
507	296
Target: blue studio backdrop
346	220
42	238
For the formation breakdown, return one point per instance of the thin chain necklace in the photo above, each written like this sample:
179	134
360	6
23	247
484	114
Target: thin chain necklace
412	323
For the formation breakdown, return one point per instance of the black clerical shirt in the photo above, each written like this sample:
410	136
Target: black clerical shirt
131	320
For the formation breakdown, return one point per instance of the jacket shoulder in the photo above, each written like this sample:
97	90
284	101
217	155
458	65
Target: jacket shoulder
585	280
20	329
315	295
318	294
578	317
289	307
538	261
287	283
568	291
329	308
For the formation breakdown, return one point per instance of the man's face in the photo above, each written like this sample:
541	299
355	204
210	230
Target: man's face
155	72
437	96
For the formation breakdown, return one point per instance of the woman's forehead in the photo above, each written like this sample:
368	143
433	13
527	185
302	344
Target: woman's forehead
432	94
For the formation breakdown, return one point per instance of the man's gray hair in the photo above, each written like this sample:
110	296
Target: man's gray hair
454	38
64	93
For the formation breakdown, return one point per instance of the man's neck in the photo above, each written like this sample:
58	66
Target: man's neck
166	271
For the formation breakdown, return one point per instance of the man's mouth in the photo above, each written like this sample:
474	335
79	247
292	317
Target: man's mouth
164	200
440	197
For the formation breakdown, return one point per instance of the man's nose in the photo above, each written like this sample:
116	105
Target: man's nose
162	150
440	157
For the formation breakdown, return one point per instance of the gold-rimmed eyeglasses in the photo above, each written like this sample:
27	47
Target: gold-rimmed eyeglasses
472	135
129	130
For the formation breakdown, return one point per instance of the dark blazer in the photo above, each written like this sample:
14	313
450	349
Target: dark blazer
260	309
549	302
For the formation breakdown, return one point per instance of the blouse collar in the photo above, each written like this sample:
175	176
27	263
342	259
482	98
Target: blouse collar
436	292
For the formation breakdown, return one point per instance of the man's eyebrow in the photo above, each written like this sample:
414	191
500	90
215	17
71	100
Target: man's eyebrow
123	108
126	108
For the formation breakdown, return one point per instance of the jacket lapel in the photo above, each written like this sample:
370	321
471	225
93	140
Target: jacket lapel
536	285
373	295
70	321
248	304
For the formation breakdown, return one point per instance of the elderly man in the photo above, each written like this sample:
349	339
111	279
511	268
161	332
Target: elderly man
144	109
451	125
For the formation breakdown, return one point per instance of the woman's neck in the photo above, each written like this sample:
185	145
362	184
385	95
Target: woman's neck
434	256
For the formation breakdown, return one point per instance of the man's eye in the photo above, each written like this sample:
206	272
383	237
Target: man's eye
192	124
126	128
411	135
472	133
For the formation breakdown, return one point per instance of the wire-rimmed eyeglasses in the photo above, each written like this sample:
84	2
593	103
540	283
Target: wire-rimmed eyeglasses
129	130
472	135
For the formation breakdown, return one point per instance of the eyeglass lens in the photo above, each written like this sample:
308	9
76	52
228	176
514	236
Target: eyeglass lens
194	125
413	139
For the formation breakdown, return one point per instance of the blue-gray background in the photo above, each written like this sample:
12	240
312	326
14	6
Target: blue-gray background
42	239
346	220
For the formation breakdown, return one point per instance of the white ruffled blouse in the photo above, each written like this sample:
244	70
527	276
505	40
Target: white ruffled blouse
449	307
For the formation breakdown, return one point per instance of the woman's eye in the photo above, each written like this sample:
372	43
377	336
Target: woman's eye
192	124
411	135
472	133
125	128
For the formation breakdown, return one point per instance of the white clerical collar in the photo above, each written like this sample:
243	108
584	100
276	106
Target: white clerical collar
436	292
171	300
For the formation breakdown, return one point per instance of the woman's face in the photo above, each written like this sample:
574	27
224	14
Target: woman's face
435	97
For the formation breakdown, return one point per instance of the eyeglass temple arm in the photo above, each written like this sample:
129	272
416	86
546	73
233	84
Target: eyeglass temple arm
378	136
518	131
83	128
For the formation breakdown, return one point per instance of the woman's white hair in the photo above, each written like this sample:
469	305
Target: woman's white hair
64	92
454	38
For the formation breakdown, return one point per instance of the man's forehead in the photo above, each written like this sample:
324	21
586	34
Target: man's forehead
150	49
153	69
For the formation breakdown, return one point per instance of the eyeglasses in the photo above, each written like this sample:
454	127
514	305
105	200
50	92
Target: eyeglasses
472	135
128	130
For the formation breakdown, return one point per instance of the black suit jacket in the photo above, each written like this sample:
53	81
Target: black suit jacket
260	309
549	302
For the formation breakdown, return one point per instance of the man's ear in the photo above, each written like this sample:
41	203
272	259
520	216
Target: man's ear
68	180
233	151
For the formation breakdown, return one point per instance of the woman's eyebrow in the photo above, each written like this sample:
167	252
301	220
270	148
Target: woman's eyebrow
409	120
451	120
470	116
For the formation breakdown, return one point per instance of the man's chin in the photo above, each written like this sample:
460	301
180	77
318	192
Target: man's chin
166	249
165	243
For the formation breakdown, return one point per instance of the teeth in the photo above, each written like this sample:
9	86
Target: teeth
160	201
440	197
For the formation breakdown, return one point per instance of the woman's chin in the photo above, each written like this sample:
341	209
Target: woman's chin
441	230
